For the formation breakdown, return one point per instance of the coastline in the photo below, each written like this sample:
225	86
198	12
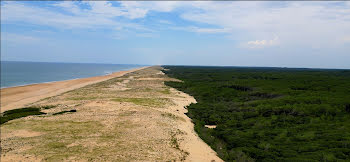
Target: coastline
66	79
19	96
133	117
23	85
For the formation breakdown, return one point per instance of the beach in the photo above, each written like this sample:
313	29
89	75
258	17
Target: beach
125	116
17	97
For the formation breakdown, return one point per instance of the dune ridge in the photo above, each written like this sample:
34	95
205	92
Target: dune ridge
133	117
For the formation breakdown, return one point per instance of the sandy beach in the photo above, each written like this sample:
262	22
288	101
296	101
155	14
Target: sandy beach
17	97
126	116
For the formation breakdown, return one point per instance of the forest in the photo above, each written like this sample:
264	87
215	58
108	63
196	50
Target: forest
269	114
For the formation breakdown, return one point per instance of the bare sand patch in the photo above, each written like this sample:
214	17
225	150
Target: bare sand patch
20	133
210	126
16	157
160	73
197	148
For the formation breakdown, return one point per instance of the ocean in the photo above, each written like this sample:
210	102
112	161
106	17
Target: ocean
15	73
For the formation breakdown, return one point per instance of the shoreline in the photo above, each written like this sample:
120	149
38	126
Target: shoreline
22	85
19	96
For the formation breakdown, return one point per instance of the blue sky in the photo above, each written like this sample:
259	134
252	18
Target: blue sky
282	34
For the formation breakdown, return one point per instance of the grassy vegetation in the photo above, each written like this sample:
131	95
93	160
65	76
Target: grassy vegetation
143	101
270	114
173	142
172	116
57	136
19	113
166	91
48	106
77	98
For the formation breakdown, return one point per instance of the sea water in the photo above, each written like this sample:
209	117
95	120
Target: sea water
15	73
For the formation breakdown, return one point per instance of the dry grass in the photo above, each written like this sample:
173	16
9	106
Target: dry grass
121	119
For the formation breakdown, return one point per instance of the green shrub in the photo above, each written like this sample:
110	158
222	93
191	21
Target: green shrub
19	113
62	112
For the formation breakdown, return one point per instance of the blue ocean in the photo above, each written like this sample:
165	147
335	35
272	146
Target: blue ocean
15	73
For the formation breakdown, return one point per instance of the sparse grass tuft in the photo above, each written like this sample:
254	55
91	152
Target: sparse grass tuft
172	116
56	145
173	142
48	106
143	101
83	98
166	91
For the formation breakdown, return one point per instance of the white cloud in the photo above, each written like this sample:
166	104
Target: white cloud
210	30
19	38
68	6
17	12
298	23
159	6
165	22
201	30
263	43
100	14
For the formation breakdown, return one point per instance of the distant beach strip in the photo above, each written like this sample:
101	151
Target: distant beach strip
16	97
15	73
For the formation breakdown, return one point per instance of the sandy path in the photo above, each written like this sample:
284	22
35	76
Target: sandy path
16	97
198	150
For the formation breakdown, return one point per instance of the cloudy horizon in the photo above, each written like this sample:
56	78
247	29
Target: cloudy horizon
274	34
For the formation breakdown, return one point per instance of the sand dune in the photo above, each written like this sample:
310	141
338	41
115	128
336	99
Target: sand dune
134	117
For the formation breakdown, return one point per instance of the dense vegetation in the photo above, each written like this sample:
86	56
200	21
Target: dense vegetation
269	114
19	113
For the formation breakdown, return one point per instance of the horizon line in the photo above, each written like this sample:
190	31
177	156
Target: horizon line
240	66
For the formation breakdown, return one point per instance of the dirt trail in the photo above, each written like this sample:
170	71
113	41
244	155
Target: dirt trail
134	117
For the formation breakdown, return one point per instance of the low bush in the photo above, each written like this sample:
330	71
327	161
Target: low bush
62	112
19	113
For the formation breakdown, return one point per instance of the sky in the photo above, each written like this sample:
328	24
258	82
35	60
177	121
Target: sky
313	34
